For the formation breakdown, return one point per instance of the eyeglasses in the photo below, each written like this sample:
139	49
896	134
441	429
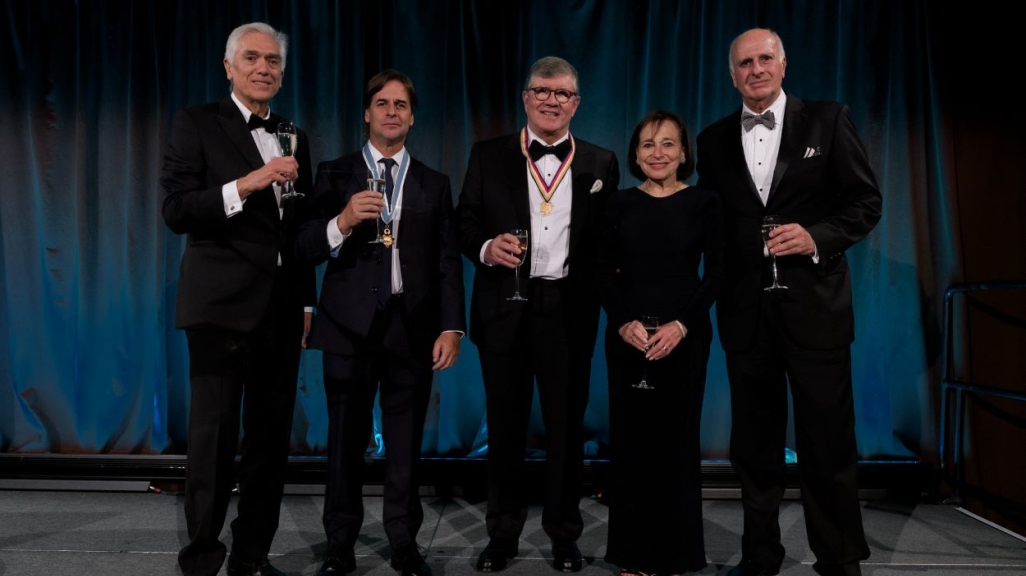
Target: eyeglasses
542	93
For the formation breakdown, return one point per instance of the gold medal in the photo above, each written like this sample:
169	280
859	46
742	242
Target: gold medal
546	208
386	237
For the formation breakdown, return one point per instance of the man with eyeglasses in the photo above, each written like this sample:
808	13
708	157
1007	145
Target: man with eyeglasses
544	180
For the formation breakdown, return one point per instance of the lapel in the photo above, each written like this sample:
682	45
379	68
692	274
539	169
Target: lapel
794	127
583	179
412	194
515	171
234	126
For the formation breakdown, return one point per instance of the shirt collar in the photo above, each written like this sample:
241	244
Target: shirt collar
377	155
246	113
777	107
531	137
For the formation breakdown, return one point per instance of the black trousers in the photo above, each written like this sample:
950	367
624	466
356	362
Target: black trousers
540	353
386	365
255	372
824	417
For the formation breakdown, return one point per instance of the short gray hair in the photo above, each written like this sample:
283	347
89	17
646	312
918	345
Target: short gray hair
730	55
551	67
233	40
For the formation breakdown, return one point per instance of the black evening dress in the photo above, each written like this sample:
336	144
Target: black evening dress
653	247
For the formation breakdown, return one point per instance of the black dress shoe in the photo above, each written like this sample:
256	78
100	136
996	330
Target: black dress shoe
566	557
240	567
409	562
337	563
749	568
495	555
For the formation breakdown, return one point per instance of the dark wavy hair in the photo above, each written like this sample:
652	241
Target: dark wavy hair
657	117
377	83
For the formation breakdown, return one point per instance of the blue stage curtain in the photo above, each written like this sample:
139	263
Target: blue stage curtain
89	359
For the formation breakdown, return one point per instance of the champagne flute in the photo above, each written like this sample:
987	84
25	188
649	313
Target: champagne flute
651	325
769	223
521	235
376	185
288	141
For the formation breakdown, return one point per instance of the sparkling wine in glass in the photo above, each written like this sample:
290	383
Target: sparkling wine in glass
375	184
521	236
651	324
769	223
288	141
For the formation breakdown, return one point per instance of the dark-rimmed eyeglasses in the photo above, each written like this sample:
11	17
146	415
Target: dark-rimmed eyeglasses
542	93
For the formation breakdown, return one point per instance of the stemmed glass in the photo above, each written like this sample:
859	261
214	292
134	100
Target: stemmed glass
376	185
288	141
651	325
522	241
769	223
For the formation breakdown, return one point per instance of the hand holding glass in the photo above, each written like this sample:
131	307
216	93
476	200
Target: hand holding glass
651	325
521	236
769	223
288	141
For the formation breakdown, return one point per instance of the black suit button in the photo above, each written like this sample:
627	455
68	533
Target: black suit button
374	289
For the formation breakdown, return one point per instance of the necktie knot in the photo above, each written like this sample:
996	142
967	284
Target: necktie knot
258	122
749	120
537	150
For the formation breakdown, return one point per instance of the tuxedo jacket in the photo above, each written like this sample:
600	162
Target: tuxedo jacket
428	248
228	268
495	199
822	181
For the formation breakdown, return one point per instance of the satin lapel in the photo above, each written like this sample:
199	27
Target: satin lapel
584	179
515	168
794	127
235	127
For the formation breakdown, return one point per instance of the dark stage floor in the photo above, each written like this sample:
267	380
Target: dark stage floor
56	533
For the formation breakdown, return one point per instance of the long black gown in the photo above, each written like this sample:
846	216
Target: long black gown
653	248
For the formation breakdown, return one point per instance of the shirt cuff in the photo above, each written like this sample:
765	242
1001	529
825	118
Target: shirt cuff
484	247
460	332
335	237
815	253
309	309
232	202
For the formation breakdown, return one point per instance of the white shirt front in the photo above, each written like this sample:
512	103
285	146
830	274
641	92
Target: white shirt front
550	233
762	146
267	145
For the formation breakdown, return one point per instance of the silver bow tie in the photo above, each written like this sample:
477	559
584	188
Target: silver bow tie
748	120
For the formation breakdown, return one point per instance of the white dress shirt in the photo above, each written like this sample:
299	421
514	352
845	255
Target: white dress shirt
762	146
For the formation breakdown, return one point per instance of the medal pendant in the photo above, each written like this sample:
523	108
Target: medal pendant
386	237
546	208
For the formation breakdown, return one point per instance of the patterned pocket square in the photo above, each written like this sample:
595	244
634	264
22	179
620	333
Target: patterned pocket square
812	152
596	186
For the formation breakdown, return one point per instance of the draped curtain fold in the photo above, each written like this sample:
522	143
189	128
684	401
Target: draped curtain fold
90	361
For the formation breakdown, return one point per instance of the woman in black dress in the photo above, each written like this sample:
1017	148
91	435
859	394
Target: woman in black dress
657	235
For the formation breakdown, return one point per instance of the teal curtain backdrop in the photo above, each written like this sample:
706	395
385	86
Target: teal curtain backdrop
89	359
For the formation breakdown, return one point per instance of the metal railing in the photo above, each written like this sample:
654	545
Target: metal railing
960	389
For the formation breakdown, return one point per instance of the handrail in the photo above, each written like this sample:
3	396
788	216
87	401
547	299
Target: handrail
960	388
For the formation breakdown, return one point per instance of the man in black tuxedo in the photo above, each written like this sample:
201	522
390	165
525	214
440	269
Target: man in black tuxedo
390	313
241	299
546	181
802	161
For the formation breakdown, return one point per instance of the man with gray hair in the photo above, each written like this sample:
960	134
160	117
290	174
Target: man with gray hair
551	187
797	192
241	299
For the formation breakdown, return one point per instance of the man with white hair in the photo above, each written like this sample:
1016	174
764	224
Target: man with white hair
241	300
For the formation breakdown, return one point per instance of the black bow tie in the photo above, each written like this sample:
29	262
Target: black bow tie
748	120
537	150
258	122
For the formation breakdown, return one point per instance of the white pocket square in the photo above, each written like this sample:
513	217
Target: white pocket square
596	186
813	152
